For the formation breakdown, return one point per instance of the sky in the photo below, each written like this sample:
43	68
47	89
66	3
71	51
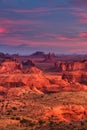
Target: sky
58	26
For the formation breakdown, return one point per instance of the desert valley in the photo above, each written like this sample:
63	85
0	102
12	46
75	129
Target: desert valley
43	92
43	64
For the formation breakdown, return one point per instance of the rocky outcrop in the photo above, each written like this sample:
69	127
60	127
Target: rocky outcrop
10	67
29	67
77	76
38	82
49	57
68	113
32	70
28	63
71	66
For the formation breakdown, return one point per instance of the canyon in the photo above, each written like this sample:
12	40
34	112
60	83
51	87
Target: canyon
40	89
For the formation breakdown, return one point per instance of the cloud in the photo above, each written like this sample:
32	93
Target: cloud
10	28
3	30
41	9
18	21
79	2
80	16
55	37
34	28
83	34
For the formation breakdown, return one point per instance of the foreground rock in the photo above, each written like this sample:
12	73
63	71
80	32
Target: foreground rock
37	82
68	113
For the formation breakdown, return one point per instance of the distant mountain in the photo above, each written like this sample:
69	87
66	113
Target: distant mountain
4	56
38	54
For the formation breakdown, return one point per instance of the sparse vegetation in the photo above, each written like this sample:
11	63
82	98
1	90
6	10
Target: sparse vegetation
43	101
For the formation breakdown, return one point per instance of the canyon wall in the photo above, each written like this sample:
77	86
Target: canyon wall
71	66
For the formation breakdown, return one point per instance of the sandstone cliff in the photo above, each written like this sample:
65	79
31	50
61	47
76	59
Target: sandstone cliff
71	66
10	67
76	76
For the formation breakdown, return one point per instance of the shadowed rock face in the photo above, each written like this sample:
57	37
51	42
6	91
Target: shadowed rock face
77	76
75	71
49	57
12	84
71	66
28	63
29	67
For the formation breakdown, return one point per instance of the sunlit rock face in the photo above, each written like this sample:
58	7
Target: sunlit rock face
33	70
10	67
71	66
68	112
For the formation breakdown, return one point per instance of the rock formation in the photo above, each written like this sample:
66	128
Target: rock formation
30	67
28	63
71	66
68	113
49	57
77	76
10	67
33	70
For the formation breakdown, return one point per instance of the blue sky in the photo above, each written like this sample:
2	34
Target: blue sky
58	26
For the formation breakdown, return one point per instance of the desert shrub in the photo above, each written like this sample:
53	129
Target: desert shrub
13	118
52	125
9	112
42	96
14	108
27	122
83	129
17	118
23	121
41	122
82	123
